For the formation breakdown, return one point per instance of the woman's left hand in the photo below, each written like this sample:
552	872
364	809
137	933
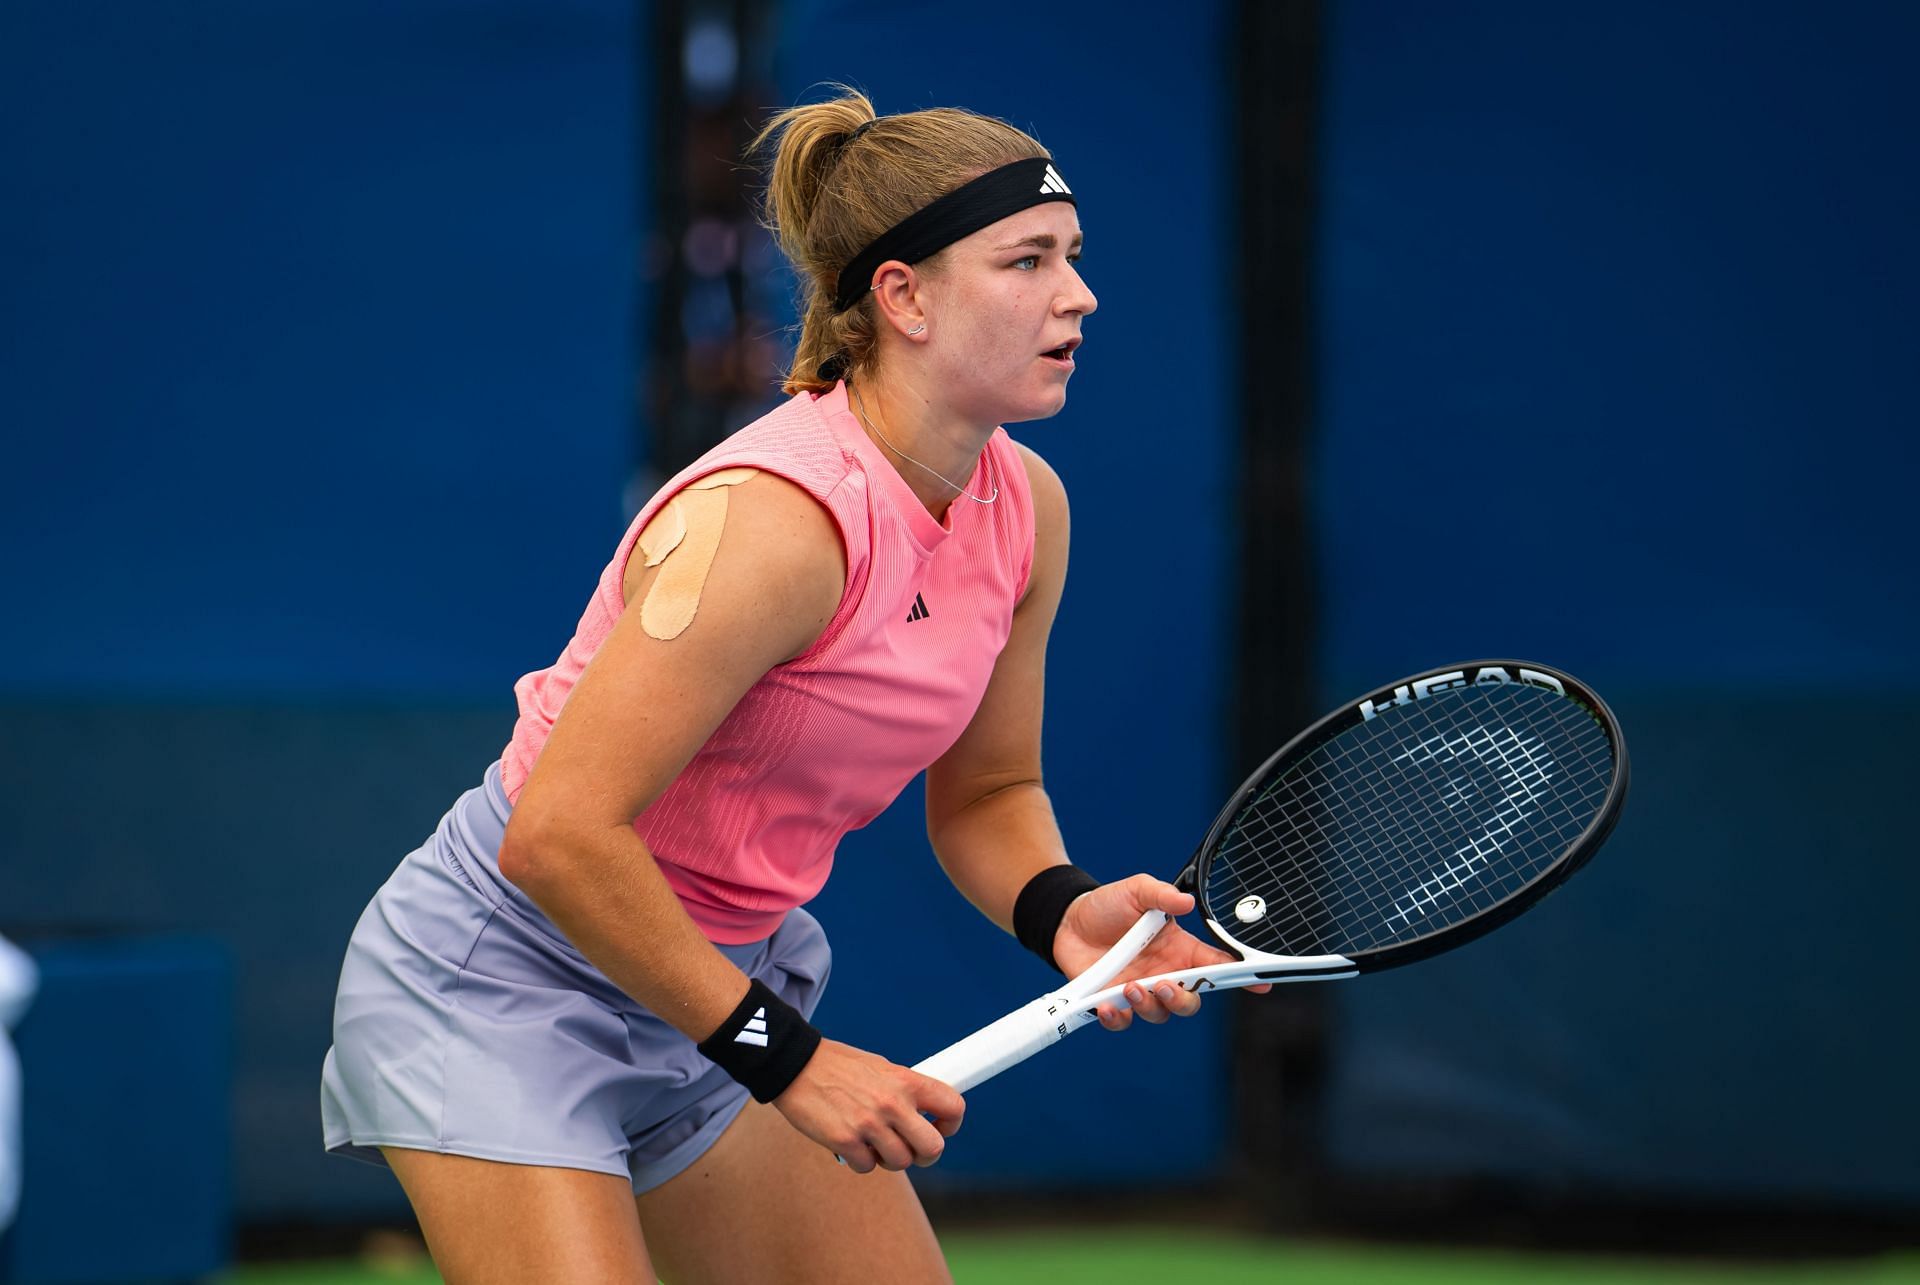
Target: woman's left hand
1098	919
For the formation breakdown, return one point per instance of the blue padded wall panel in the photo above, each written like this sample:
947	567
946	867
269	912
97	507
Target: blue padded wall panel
316	402
316	341
126	1137
1616	372
1615	348
268	832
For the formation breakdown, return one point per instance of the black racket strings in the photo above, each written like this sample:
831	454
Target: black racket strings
1411	823
1351	806
1327	908
1504	767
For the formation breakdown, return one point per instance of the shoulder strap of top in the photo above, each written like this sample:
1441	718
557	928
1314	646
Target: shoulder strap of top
1016	491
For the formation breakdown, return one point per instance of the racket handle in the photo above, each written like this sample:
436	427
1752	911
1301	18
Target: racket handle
1008	1042
1046	1021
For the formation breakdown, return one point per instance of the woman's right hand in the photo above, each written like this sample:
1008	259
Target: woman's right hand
868	1111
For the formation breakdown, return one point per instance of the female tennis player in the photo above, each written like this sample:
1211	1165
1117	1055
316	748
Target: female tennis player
576	1021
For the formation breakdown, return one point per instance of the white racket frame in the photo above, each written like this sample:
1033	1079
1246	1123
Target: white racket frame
1059	1013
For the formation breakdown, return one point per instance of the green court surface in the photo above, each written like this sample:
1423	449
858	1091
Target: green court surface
1122	1257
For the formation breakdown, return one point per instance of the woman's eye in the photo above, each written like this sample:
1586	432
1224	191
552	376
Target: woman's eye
1030	262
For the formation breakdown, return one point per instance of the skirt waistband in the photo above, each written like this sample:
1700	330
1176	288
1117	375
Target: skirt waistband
468	843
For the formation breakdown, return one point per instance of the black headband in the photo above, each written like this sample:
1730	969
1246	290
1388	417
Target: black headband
961	212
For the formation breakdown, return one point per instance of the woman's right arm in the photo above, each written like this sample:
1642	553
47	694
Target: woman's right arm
641	710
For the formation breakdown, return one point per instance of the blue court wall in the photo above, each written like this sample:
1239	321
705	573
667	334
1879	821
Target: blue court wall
1616	371
293	294
1136	712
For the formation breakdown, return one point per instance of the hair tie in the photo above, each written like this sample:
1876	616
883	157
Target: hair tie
848	140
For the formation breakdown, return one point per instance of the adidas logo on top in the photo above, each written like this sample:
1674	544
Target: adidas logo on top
919	611
1054	183
755	1031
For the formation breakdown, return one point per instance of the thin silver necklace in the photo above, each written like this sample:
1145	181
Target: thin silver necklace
861	407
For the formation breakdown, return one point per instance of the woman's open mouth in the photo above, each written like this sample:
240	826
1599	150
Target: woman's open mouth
1063	355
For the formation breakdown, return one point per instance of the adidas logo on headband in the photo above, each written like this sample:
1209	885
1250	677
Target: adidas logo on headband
1054	183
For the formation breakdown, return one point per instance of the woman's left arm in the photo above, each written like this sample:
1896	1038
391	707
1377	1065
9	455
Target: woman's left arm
988	815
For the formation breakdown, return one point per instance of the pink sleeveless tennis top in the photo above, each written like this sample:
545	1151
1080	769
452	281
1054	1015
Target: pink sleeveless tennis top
821	744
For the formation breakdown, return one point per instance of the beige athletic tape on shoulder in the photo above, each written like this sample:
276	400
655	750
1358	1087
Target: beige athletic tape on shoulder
664	533
690	528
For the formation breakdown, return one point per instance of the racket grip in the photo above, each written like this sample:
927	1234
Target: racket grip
1011	1040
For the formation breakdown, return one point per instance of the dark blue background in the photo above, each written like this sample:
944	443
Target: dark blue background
1617	371
317	339
1617	339
319	327
317	389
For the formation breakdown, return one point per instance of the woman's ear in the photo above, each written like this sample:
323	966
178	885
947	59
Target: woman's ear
897	298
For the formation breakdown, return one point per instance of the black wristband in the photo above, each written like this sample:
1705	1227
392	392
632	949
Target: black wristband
1043	903
763	1044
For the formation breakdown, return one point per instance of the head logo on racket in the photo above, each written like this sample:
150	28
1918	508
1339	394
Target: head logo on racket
1484	675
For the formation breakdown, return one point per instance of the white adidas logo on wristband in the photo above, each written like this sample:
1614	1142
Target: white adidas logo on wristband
755	1031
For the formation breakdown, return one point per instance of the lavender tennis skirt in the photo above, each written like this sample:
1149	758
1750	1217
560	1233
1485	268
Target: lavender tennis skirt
467	1023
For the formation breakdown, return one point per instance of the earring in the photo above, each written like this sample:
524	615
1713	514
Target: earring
917	329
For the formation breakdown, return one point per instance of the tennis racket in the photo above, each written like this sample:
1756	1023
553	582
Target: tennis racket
1401	825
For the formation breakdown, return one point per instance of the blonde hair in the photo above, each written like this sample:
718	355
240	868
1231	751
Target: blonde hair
831	193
